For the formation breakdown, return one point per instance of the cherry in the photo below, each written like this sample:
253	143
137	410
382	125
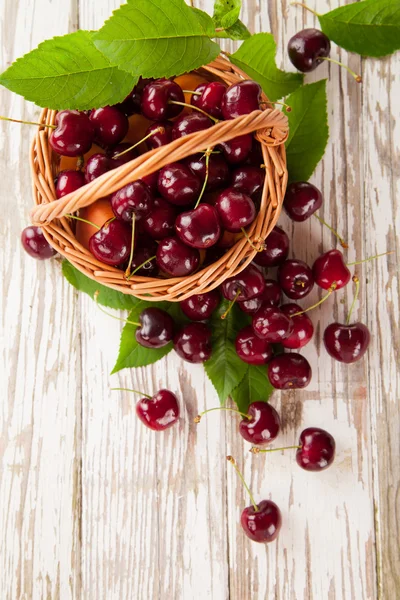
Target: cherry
237	149
134	200
218	170
235	209
346	343
97	165
73	135
144	257
159	138
263	426
303	329
151	181
111	244
317	449
255	158
289	371
330	270
110	125
271	296
132	102
191	123
160	222
35	244
158	412
157	98
199	228
178	185
208	97
175	258
248	179
247	284
271	324
307	48
193	343
69	181
200	307
251	349
122	154
241	99
156	328
295	278
302	199
276	249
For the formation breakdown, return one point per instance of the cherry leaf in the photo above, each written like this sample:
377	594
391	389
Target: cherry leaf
254	386
226	12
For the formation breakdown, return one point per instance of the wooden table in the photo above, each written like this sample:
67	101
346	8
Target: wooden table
93	505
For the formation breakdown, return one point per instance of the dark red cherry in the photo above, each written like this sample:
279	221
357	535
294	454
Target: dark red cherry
159	138
251	349
175	258
190	123
263	426
35	244
131	104
271	296
346	343
247	284
262	525
271	324
200	307
110	126
151	181
306	48
276	249
303	329
302	199
193	343
289	371
74	133
112	243
178	185
156	100
144	252
199	227
69	181
248	179
97	165
317	450
156	328
125	158
238	149
133	200
159	412
241	99
218	170
329	269
235	209
295	278
160	223
211	97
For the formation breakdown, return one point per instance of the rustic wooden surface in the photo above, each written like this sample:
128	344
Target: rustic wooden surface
94	506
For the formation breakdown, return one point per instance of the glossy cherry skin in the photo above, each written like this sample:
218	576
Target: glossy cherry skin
295	278
263	426
235	209
303	329
271	296
306	48
193	343
177	259
200	307
302	199
346	343
110	126
156	328
317	450
125	158
276	249
241	99
329	269
132	102
248	179
218	170
199	228
97	165
134	200
35	244
251	349
190	123
143	252
69	181
211	97
112	243
238	149
74	133
159	138
159	412
289	371
271	324
263	525
249	282
160	223
178	185
156	100
151	181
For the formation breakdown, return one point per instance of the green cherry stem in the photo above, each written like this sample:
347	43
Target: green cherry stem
83	221
194	108
96	299
358	78
255	450
193	92
128	268
231	303
357	282
129	390
286	106
330	291
246	235
233	462
146	137
140	266
305	6
335	233
244	415
203	189
27	122
359	262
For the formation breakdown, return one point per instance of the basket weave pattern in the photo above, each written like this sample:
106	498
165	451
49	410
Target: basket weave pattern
270	127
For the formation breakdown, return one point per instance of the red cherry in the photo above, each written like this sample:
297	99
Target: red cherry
262	525
263	426
117	161
159	412
329	269
306	48
295	278
175	258
251	349
35	244
271	324
131	104
276	249
159	138
178	185
302	199
199	227
235	209
346	343
241	99
271	296
238	149
289	371
134	200
247	284
110	125
200	307
218	170
160	222
157	98
210	98
111	244
248	179
193	343
303	329
156	328
191	123
317	451
69	181
97	165
74	133
144	252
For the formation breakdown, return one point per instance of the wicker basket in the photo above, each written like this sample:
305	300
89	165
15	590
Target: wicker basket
271	130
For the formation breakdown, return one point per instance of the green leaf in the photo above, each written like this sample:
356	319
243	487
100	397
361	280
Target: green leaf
68	72
238	31
226	12
370	28
308	130
254	386
224	368
256	56
158	38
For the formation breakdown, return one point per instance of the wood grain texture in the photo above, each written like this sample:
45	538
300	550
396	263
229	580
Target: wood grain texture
92	505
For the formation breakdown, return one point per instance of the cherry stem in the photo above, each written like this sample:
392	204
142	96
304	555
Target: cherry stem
192	92
358	78
287	107
80	161
219	29
255	450
146	137
194	108
330	291
140	266
231	303
357	282
28	122
129	390
83	221
128	268
305	6
359	262
246	235
96	299
335	233
203	189
244	415
233	462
